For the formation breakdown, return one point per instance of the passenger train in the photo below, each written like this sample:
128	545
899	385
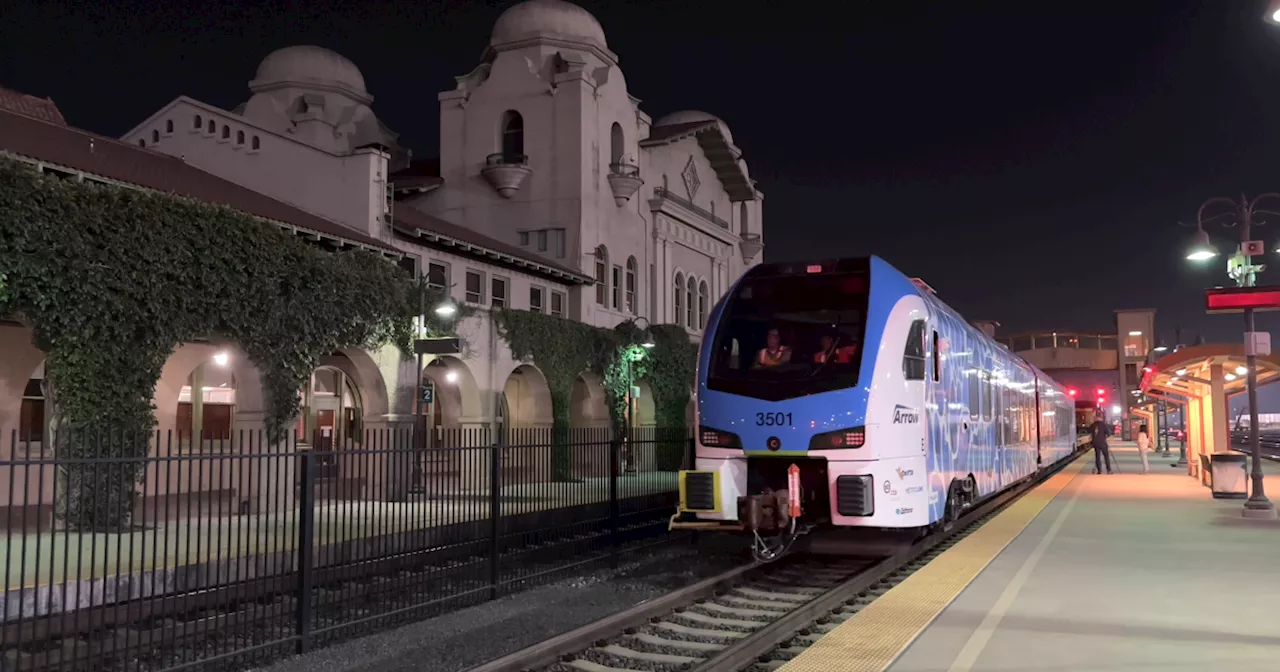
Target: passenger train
844	393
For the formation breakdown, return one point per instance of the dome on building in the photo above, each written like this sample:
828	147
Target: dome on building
307	64
692	116
549	18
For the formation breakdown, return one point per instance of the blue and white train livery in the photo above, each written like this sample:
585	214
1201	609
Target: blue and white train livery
844	393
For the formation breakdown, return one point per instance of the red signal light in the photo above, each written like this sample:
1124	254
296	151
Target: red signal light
1071	392
814	268
1101	393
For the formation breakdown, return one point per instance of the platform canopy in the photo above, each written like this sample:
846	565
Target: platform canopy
1188	372
1200	379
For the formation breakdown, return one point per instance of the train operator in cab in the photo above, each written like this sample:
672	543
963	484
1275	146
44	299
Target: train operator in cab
774	353
829	352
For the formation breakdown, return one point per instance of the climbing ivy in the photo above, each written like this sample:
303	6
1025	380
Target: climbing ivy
564	349
112	280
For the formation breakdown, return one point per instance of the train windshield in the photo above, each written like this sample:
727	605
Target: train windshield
789	336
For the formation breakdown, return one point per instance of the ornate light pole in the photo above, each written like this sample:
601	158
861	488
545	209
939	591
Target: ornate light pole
1240	267
636	350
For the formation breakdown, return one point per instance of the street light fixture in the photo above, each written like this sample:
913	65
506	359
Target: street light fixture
1240	267
447	308
1201	249
633	354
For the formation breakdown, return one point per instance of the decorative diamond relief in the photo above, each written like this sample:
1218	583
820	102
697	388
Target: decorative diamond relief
691	181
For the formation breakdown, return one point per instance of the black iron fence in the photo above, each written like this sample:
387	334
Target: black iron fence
155	553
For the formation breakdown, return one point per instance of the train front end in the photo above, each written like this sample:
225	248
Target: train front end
809	408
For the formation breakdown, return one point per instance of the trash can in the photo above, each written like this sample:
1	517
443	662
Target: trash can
1230	479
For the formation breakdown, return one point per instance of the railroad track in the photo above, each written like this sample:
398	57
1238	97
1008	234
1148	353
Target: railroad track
753	618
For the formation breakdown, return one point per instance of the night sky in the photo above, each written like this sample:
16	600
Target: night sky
1030	160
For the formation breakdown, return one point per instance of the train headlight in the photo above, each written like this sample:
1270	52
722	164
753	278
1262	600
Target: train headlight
853	437
714	438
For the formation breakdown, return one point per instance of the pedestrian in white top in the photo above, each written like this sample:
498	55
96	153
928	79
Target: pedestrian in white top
1144	442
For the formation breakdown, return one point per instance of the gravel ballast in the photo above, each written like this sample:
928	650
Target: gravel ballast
469	637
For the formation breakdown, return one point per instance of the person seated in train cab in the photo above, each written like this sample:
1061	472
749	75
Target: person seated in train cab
774	353
829	352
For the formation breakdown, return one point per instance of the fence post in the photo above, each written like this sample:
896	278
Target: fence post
495	518
306	549
615	455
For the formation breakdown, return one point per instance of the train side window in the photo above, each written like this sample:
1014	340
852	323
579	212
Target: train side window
988	396
913	365
975	393
937	361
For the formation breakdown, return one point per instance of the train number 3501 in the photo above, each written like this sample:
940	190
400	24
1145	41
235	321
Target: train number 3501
773	419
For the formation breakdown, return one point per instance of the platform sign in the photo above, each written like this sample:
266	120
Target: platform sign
436	346
1237	299
1253	248
428	391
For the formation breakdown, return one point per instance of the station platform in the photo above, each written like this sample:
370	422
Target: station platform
1086	572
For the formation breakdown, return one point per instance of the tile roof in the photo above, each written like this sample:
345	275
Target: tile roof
420	225
72	148
673	132
43	109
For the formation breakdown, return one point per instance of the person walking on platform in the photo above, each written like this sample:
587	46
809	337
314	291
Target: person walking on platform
1100	431
1144	442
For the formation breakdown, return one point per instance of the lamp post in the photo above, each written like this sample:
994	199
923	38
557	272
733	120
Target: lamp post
1240	267
637	350
422	345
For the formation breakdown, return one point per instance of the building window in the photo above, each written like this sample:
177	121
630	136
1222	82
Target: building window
213	126
602	283
168	125
155	137
631	285
524	239
542	241
678	314
557	237
255	142
498	293
437	276
703	297
31	413
616	143
512	137
226	132
197	122
691	288
239	137
557	304
913	367
142	143
617	287
742	218
535	299
1131	375
475	287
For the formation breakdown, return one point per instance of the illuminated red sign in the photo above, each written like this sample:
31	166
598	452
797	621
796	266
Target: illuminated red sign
1236	299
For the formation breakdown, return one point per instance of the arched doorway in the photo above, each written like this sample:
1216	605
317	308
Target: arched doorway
330	418
524	425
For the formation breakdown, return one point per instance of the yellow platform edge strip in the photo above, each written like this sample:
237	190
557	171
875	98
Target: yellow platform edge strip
872	639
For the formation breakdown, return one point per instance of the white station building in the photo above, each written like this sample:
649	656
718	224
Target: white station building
553	192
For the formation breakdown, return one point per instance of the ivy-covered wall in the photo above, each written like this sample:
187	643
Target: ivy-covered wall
111	280
564	349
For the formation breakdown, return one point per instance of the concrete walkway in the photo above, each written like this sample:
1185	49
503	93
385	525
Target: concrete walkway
1120	572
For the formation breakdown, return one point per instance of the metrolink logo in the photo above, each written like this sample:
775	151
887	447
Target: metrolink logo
905	416
904	473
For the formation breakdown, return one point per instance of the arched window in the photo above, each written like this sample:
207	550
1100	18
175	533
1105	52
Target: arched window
631	285
256	144
226	132
602	274
742	218
168	126
197	122
155	137
616	143
239	137
213	126
142	142
512	137
691	303
678	315
703	298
